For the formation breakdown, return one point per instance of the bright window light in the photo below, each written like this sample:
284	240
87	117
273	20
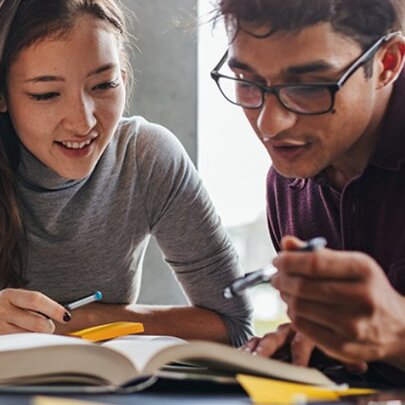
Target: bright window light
233	165
231	160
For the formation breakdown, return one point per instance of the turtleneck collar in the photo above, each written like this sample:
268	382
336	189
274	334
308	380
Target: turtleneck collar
35	175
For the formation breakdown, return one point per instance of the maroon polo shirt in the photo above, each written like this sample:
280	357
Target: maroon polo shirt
368	215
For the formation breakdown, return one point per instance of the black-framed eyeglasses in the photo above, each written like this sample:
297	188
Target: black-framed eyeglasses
302	98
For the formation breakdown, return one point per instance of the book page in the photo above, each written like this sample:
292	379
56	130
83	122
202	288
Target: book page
34	355
220	357
18	341
140	349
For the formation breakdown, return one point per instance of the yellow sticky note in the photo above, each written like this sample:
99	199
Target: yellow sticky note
267	390
109	331
357	391
41	400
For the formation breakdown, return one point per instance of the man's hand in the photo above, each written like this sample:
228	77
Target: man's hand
285	338
29	311
343	302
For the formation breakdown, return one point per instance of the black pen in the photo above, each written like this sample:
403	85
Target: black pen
264	274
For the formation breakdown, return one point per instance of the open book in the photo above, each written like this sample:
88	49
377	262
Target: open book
31	358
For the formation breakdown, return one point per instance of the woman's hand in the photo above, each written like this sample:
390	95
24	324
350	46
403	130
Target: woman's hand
29	311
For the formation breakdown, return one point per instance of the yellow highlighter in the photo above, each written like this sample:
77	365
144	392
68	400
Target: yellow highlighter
109	331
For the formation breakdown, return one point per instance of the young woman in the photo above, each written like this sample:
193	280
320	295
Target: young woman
91	186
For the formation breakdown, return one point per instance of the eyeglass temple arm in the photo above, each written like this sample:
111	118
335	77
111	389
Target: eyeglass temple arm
367	56
214	72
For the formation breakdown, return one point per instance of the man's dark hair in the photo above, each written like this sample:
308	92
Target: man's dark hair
362	20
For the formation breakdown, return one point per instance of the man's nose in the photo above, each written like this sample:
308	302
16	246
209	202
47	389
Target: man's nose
274	118
80	115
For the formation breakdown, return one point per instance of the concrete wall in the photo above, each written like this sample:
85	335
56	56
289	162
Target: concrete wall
165	91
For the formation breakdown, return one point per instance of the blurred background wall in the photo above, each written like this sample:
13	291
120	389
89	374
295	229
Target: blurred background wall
174	51
165	91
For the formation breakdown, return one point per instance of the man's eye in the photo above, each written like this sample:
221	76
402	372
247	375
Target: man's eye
244	76
246	85
250	78
43	96
106	85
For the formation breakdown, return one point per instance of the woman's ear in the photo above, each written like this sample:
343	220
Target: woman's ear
391	61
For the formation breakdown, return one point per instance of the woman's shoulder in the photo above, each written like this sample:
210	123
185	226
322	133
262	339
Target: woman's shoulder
137	126
144	136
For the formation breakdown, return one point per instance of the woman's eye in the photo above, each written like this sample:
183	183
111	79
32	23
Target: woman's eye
106	85
43	96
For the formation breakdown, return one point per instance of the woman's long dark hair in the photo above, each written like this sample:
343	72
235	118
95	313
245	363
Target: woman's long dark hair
23	23
12	235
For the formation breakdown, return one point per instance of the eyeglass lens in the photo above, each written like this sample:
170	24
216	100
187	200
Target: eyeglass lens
301	99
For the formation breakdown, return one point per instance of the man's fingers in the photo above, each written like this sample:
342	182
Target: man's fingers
267	345
285	337
271	342
336	345
356	326
357	368
291	243
301	349
328	292
325	264
251	344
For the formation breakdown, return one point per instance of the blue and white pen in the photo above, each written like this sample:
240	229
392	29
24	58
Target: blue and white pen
97	296
264	274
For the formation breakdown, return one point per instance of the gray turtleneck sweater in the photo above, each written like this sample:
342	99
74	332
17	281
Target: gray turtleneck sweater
91	234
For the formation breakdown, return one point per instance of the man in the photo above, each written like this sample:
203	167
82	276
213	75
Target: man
322	84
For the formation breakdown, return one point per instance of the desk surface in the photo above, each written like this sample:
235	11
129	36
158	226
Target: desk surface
167	392
172	393
144	398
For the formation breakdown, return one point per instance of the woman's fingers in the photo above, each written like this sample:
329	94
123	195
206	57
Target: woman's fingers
38	302
29	311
